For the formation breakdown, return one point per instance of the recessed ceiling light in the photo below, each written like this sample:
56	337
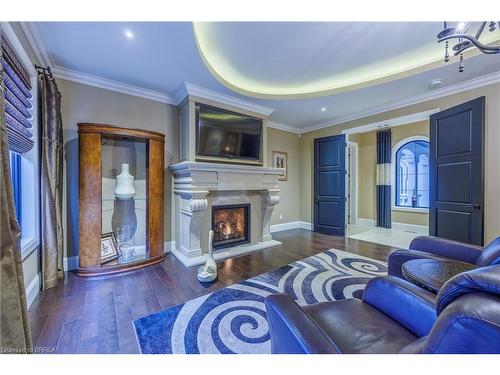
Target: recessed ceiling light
434	84
323	109
128	34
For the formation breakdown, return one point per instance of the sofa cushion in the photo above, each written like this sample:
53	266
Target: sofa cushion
357	327
491	254
482	279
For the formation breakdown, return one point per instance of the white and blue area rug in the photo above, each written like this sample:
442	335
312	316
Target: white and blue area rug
233	319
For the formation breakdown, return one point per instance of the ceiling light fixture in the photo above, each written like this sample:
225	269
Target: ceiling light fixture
466	39
128	34
435	83
323	109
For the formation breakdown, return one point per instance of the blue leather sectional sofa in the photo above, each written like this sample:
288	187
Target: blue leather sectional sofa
395	316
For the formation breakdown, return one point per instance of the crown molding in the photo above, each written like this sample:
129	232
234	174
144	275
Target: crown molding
284	127
108	84
393	122
471	84
35	40
189	89
181	93
45	58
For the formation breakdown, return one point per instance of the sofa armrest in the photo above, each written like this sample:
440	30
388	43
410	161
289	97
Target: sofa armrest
398	257
447	248
407	304
292	330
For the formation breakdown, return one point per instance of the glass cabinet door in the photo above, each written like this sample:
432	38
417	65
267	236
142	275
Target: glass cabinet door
124	200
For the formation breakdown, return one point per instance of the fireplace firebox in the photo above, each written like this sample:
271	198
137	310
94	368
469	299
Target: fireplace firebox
231	225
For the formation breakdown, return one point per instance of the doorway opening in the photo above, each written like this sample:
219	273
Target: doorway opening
409	181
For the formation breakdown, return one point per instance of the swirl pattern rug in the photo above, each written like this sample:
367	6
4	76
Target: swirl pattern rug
233	319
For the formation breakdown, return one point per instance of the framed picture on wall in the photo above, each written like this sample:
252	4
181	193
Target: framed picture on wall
109	250
280	160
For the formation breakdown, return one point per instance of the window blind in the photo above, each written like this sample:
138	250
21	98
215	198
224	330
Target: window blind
18	101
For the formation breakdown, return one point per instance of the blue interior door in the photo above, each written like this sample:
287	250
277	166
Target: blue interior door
329	185
456	173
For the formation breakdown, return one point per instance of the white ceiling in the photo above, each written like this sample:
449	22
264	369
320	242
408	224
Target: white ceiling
283	59
255	60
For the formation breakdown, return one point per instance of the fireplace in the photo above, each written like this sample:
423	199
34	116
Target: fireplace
231	225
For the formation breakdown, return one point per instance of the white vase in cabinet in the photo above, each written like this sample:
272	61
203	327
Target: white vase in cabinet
124	188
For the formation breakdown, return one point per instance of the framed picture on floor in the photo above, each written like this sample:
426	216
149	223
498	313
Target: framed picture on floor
280	160
109	250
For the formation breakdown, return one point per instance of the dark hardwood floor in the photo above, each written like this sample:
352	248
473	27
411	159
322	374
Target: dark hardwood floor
95	315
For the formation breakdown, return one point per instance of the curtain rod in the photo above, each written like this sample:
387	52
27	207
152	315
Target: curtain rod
49	72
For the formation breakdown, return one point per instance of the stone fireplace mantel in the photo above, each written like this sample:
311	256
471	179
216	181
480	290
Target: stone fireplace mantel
196	182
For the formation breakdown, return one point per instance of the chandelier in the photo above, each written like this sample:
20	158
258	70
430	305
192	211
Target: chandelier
467	35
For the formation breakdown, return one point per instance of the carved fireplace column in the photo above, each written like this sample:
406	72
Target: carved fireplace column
193	206
270	198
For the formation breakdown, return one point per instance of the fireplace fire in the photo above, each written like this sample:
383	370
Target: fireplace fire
231	225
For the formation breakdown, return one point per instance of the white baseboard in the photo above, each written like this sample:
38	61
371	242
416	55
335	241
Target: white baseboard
71	263
291	225
32	290
306	225
168	246
420	229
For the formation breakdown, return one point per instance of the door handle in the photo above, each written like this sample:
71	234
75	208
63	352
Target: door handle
476	206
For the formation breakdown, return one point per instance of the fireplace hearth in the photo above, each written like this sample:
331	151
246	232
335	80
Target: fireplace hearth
231	225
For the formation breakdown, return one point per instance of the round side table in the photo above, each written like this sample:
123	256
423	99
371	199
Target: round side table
432	274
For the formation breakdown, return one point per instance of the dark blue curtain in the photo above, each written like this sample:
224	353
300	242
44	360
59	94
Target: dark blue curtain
384	179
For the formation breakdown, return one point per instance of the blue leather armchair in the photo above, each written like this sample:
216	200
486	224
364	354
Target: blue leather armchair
395	316
439	248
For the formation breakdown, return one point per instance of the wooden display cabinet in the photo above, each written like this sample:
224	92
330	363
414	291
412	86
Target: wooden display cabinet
102	151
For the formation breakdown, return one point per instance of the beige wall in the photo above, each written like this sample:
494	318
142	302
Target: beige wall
492	151
367	164
401	132
367	156
289	205
82	103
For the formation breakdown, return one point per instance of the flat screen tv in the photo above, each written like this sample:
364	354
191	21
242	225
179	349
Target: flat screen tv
225	134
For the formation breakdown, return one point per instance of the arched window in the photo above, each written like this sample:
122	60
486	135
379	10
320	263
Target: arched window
412	174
